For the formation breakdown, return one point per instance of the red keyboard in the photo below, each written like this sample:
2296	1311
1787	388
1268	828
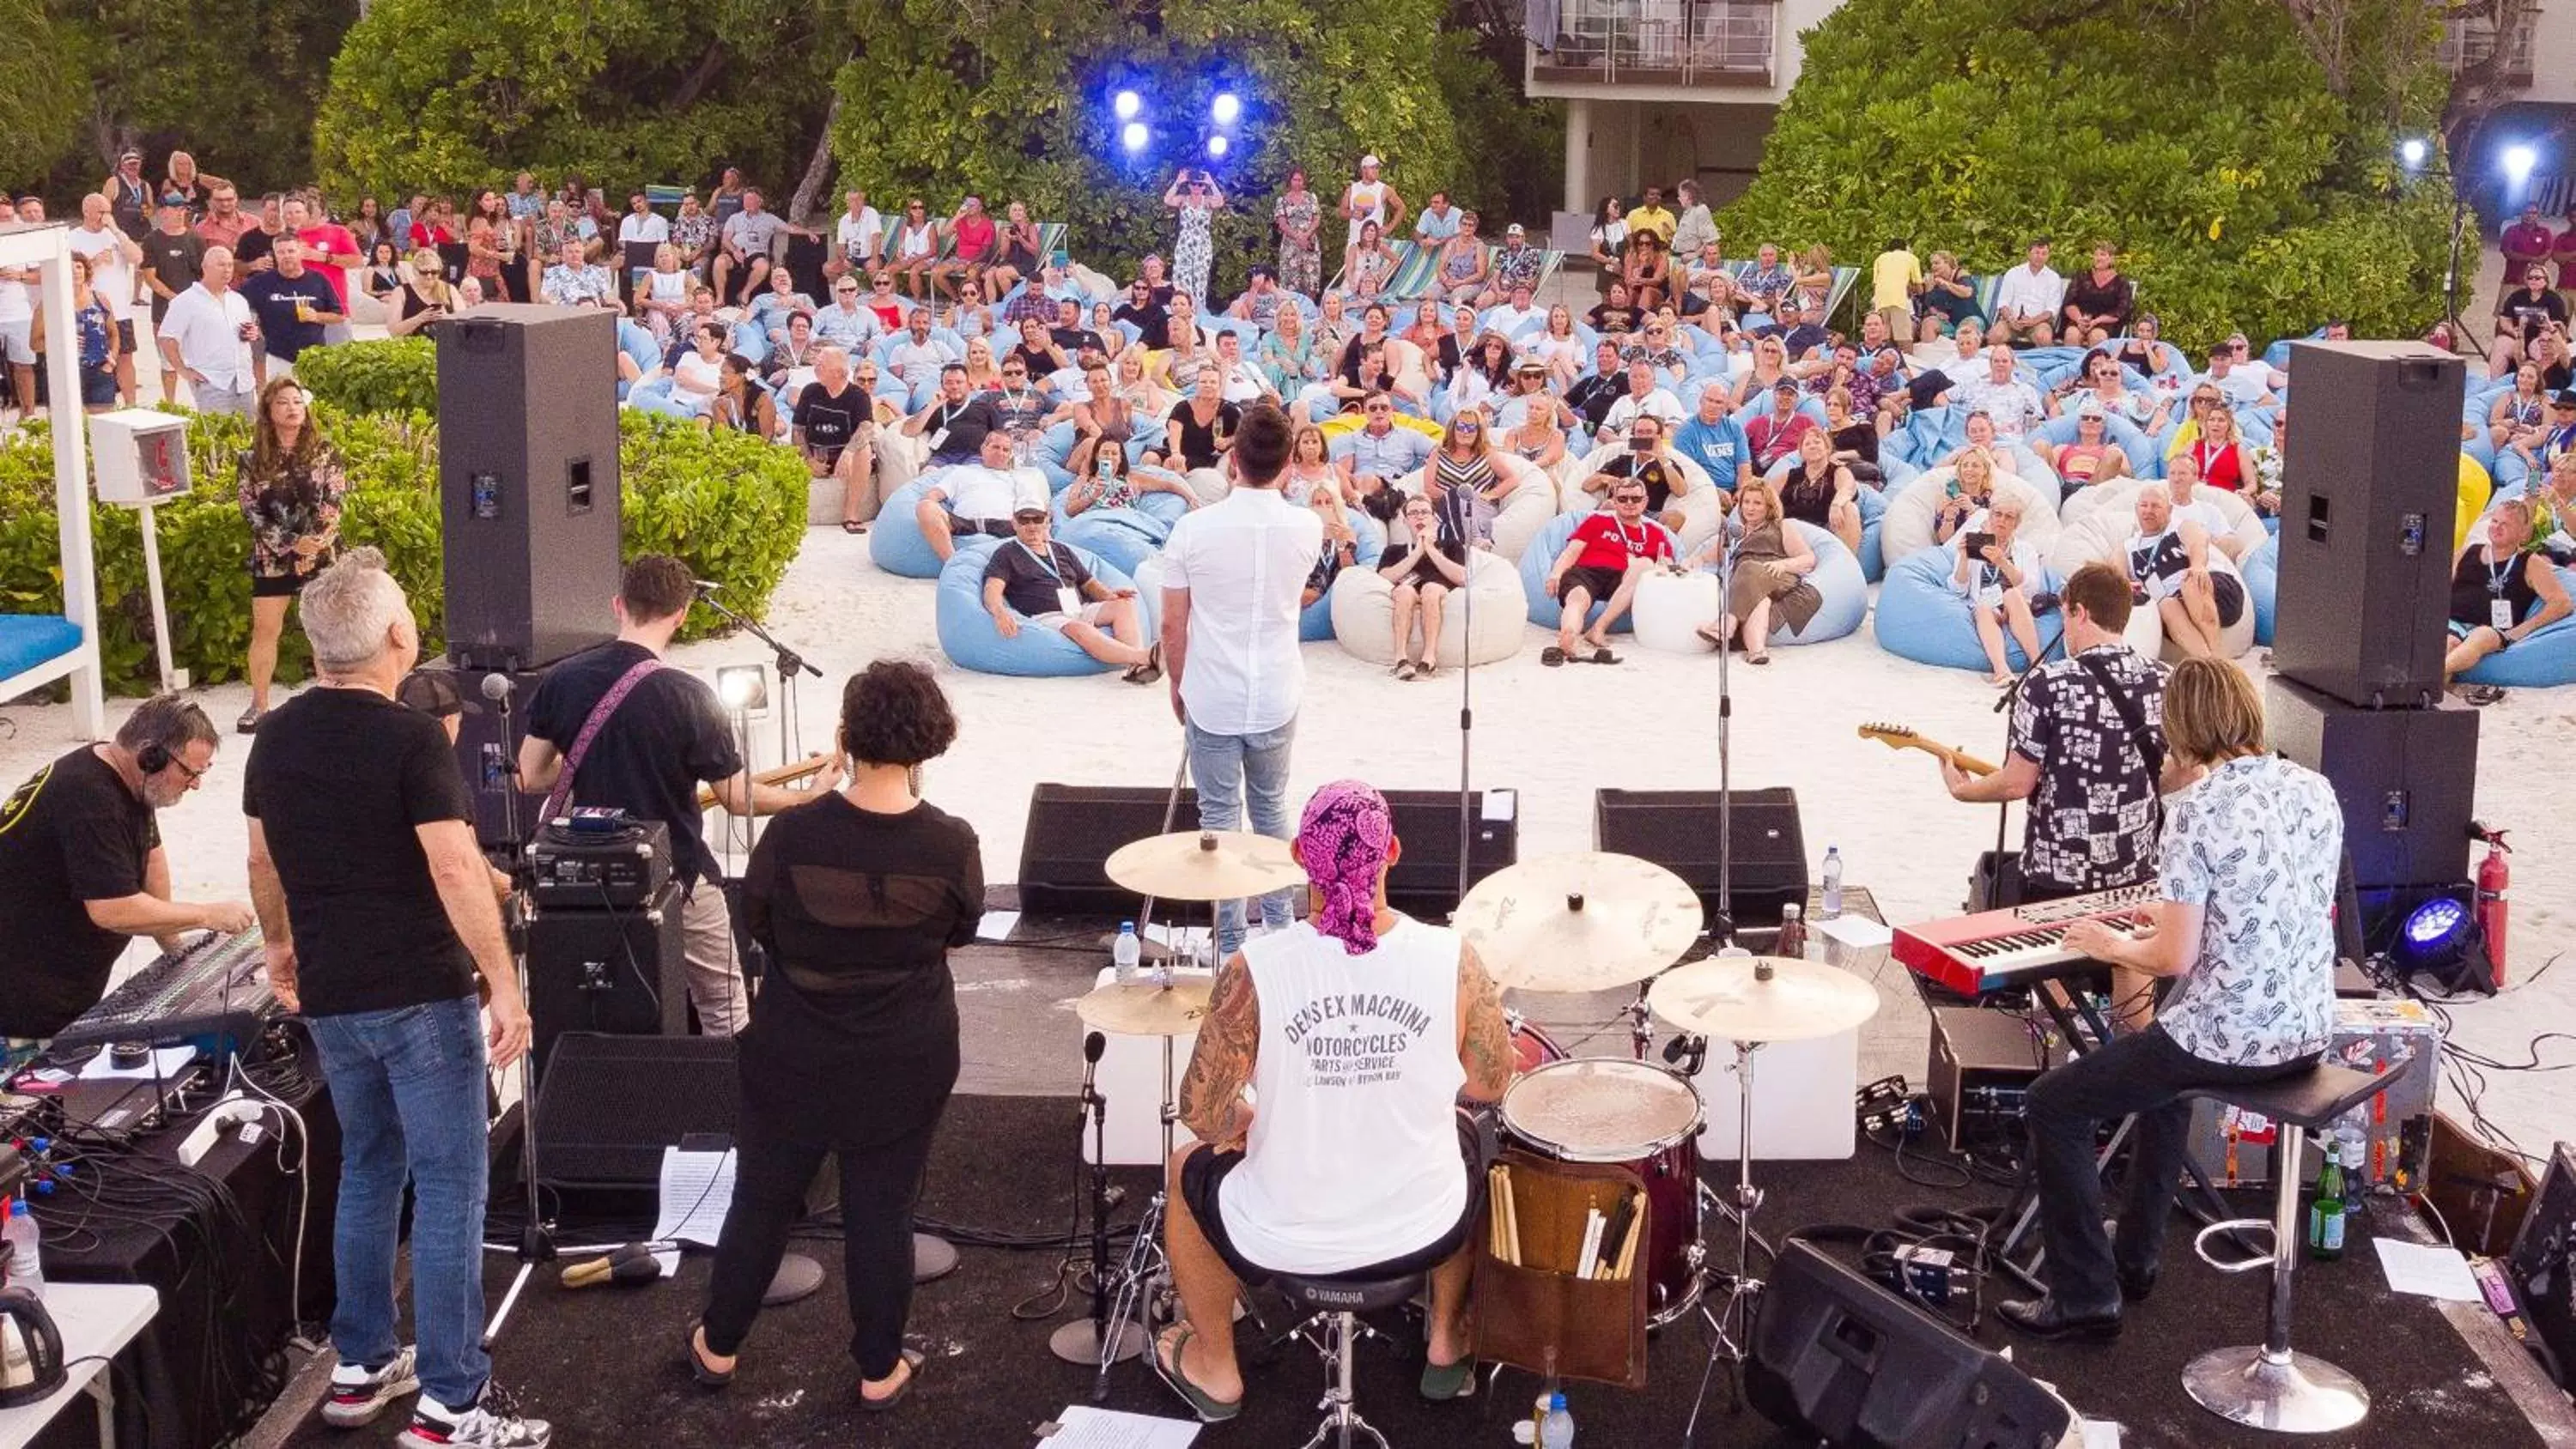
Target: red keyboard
2015	946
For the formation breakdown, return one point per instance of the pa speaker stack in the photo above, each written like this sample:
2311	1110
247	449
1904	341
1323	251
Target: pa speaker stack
2369	494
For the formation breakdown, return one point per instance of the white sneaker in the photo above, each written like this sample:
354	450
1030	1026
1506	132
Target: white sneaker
492	1422
359	1395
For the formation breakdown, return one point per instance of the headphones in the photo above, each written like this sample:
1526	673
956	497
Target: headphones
185	718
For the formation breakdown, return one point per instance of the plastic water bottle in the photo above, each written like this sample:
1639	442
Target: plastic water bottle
1833	882
1556	1427
1125	952
26	1265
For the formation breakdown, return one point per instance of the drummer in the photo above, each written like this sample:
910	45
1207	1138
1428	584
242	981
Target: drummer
1358	1029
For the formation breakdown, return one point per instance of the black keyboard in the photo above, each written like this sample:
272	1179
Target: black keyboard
213	995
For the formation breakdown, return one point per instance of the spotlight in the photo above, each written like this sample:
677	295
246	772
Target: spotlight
2518	161
1126	104
2411	153
1133	135
744	688
2439	939
1226	108
1216	147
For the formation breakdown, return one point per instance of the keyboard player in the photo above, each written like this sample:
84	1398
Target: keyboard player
82	869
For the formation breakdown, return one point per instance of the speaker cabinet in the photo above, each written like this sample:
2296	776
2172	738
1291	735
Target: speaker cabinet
620	972
2406	778
2369	488
528	481
486	756
1838	1359
1678	830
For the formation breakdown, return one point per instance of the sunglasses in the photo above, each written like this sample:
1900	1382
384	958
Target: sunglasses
1015	372
1627	497
1471	427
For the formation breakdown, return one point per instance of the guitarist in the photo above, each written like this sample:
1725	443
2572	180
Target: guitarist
612	727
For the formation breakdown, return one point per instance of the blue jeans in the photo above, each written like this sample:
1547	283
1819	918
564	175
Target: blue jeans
1227	768
408	1087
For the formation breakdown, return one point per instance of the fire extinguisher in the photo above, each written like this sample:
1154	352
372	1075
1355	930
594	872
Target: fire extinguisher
2495	881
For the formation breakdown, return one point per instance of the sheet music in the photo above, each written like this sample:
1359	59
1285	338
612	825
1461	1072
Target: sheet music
697	1187
2427	1268
1084	1427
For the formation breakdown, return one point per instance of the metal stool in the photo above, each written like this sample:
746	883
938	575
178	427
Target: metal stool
1329	1308
2272	1387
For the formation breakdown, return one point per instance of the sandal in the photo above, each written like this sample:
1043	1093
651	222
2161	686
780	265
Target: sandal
852	525
1602	655
1551	656
1168	1369
1711	634
1442	1382
1758	657
2481	694
706	1374
1150	670
913	1359
248	724
1404	669
1428	670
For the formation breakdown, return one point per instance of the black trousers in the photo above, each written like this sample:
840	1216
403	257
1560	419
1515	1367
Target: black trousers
879	1186
2143	1073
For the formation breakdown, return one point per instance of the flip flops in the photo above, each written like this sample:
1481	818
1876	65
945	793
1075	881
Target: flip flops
1442	1382
1150	670
1405	669
852	525
1763	657
1177	1341
1551	656
699	1368
1602	655
913	1359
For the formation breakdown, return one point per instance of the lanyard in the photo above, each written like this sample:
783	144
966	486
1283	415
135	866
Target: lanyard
1047	564
1635	545
2497	578
950	413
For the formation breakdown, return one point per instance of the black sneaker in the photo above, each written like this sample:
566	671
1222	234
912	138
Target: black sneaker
359	1395
490	1422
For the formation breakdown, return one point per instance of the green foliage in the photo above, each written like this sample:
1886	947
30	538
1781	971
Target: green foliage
41	100
731	507
2203	140
235	87
391	375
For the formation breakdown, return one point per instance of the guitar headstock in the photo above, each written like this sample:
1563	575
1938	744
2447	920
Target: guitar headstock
1895	737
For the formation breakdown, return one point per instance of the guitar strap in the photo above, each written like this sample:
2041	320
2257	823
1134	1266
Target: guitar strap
590	729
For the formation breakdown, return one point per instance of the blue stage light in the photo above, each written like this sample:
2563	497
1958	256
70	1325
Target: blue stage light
1126	104
2436	924
1226	108
1133	136
1216	147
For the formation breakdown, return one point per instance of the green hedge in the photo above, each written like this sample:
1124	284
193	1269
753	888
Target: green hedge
731	507
390	375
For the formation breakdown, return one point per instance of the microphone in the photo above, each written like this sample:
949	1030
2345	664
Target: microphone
1092	1047
1090	1104
705	586
496	686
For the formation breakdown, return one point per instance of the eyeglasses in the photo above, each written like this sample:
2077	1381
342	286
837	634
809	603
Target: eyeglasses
184	768
1015	372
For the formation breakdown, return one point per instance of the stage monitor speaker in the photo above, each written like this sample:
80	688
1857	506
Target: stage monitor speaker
2368	493
1837	1358
2406	778
621	972
527	482
1074	829
488	759
608	1105
1678	830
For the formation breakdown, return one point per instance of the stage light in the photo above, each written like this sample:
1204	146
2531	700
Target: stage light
1126	104
2518	163
744	688
2435	924
1216	147
2411	153
1133	135
1226	108
2439	939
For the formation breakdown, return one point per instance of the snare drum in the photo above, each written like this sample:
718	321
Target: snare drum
1640	1116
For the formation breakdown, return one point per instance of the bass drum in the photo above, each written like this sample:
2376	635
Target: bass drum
1638	1115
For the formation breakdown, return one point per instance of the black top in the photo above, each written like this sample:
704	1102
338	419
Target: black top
2093	818
175	260
1808	500
251	246
339	781
2112	300
831	419
410	303
272	299
72	833
1399	547
1608	319
1153	324
853	1038
964	424
2532	312
1074	339
1858	436
1594	397
1656	475
1198	444
667	737
2477	583
1029	586
1037	360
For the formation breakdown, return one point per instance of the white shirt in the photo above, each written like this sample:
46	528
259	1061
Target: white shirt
859	235
1372	195
2242	386
1508	319
847	327
2255	845
208	331
1657	401
17	303
1245	383
1985	582
652	227
2012	403
1354	1157
1243	562
975	491
2024	291
108	271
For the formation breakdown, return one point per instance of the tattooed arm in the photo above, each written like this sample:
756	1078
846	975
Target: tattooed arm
1484	1040
1211	1098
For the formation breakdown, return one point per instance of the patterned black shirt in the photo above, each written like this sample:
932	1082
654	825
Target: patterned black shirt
2092	819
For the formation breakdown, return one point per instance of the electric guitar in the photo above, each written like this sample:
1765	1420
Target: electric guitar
1898	737
787	774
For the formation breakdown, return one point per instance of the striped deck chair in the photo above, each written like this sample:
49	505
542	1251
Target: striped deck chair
1051	235
1403	250
660	196
1844	277
1411	279
1987	289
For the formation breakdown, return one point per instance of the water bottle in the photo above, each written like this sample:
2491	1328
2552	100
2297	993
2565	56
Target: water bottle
1125	952
26	1265
1793	934
1556	1427
2326	1213
1833	882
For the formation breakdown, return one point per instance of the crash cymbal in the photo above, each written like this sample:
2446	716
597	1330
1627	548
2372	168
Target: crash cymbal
1583	922
1730	998
1206	865
1141	1008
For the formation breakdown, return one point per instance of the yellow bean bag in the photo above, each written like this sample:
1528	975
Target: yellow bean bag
1345	423
2476	488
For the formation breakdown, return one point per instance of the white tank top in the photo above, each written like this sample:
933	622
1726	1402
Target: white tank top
1353	1157
915	241
1373	195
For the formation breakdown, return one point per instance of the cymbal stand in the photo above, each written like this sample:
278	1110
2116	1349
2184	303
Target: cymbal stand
1721	926
1146	949
1730	1324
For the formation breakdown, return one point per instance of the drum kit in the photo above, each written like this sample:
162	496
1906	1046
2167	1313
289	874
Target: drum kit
1553	925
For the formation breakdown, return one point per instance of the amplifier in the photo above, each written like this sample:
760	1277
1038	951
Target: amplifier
1677	829
616	971
2397	1037
1981	1068
616	870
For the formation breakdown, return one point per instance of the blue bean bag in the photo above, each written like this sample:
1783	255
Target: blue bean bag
1920	618
2144	460
1544	610
2547	658
28	640
1839	584
1873	507
1124	537
895	541
2261	571
967	635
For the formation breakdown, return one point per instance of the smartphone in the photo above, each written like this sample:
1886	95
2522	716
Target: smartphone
1106	465
1977	543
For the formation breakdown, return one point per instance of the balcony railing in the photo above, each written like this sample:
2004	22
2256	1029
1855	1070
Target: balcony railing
1653	42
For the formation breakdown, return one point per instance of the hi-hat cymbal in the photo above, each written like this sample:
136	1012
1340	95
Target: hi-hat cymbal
1583	922
1727	998
1141	1008
1206	865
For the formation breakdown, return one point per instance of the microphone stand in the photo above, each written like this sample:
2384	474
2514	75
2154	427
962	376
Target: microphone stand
1466	718
1080	1341
791	723
1721	927
536	1235
2003	809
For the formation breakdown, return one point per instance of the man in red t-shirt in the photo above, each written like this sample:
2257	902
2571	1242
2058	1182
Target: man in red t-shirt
329	248
972	239
2525	242
1609	552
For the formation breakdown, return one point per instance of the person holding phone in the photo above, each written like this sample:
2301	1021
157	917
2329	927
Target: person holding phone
1997	571
2521	316
1197	197
424	296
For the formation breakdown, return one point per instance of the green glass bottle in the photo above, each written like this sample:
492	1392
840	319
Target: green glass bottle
2326	1211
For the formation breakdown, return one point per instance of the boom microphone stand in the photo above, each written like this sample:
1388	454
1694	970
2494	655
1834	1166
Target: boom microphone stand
1996	889
791	722
1721	927
536	1235
1466	720
1081	1340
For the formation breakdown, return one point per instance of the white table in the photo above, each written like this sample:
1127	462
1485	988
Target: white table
97	1321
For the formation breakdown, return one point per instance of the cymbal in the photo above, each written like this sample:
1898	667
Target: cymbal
1206	865
1726	999
1141	1008
1588	921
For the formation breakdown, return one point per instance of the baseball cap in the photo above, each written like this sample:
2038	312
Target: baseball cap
434	692
1516	229
1022	515
1371	160
2091	407
2565	397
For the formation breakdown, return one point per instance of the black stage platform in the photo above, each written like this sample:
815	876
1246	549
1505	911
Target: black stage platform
605	1365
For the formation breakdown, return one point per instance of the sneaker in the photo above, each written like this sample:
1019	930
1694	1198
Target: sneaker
491	1422
359	1394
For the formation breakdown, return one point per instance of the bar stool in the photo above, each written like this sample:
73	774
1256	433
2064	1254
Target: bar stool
1329	1308
2272	1387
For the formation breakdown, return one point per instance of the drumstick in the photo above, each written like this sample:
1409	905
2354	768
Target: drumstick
1494	1208
1636	1230
1511	1223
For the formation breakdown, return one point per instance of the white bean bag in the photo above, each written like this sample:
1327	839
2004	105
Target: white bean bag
1906	528
2108	513
1363	605
1671	607
1210	484
1544	610
2101	535
1522	515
